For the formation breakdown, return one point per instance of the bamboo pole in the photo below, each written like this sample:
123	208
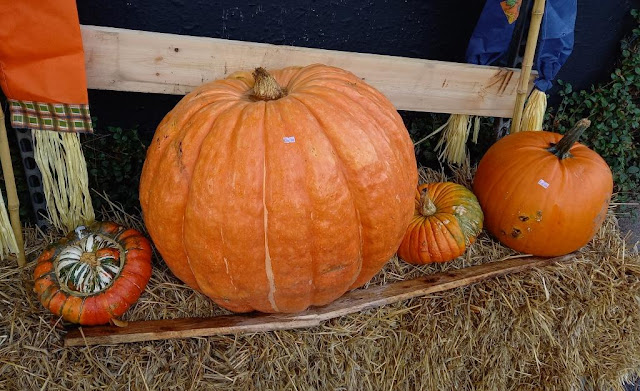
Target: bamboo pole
13	205
527	63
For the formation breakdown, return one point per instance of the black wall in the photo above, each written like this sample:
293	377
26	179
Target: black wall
436	29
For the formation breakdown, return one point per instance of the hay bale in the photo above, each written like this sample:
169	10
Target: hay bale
569	326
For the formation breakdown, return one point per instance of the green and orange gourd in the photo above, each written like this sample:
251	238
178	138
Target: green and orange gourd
94	274
446	221
276	191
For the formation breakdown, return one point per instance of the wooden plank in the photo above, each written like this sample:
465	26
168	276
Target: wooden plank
351	302
131	60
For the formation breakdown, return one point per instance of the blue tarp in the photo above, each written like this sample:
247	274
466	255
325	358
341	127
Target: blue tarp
556	40
492	35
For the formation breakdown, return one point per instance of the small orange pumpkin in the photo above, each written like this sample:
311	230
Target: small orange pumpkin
94	274
542	193
447	220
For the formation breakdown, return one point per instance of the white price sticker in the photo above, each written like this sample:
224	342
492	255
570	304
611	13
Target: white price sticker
543	183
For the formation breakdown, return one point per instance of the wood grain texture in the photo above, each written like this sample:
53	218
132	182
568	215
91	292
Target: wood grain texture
351	302
131	60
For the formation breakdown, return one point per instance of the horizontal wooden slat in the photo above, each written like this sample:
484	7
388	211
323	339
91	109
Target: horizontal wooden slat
351	302
130	60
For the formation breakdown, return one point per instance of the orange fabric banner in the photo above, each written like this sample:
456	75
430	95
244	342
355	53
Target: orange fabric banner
41	54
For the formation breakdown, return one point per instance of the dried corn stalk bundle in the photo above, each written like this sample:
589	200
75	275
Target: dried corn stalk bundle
533	114
452	146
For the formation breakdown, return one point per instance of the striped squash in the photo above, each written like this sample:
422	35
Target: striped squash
446	221
94	274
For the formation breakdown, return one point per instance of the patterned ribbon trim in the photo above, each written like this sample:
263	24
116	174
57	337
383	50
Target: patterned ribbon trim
60	117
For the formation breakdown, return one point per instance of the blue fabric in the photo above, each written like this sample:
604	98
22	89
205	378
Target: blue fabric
491	38
556	40
492	35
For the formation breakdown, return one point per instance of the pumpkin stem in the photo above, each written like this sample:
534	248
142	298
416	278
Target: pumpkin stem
266	87
427	207
561	149
90	259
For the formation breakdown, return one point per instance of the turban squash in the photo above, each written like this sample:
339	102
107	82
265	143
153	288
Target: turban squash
94	274
446	221
277	191
543	193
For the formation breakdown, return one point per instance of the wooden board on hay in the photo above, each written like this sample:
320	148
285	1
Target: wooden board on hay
351	302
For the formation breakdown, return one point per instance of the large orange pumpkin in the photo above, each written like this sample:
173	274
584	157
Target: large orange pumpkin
279	191
446	221
543	193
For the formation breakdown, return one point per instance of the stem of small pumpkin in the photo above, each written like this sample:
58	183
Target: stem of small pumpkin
427	207
266	87
561	149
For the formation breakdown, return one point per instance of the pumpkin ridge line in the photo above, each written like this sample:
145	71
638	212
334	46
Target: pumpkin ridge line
457	220
414	245
188	193
80	309
50	292
437	251
429	238
130	271
165	145
315	94
448	194
233	137
375	95
265	215
340	164
64	313
436	188
438	230
381	129
311	292
226	265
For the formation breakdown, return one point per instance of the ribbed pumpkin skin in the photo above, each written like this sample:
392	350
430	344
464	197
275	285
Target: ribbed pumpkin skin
258	222
536	203
446	233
